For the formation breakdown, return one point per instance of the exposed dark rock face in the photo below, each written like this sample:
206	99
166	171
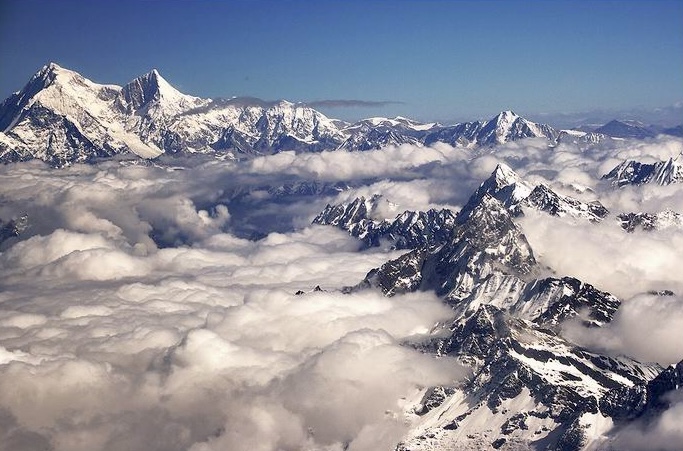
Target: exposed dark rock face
544	199
13	227
511	357
648	221
485	241
648	397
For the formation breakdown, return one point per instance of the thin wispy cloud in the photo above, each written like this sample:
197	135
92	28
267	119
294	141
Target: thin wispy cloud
349	103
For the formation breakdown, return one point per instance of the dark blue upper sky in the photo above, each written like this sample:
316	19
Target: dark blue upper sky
440	59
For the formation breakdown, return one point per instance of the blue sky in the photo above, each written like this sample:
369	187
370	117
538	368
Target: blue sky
443	60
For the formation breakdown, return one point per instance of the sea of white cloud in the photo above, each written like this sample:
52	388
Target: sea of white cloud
136	313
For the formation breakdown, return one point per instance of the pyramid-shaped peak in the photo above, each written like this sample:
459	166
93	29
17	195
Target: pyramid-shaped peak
154	78
506	116
149	88
503	185
52	71
504	173
51	67
48	75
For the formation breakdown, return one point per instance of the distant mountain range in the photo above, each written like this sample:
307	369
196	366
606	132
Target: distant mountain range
61	117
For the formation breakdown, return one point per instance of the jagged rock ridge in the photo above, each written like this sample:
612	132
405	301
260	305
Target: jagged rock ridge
530	388
650	221
407	230
633	172
504	127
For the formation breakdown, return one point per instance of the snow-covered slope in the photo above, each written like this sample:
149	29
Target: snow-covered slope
62	117
378	132
515	194
584	139
243	126
544	199
530	389
486	251
504	185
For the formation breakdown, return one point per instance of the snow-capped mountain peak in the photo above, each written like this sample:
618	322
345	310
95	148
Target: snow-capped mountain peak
545	199
502	124
52	72
61	117
504	185
504	175
506	118
152	89
148	116
55	87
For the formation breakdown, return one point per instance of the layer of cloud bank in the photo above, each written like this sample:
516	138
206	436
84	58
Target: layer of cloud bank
131	318
134	314
205	347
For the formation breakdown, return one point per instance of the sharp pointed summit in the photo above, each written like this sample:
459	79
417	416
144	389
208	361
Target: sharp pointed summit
153	88
504	185
50	71
506	116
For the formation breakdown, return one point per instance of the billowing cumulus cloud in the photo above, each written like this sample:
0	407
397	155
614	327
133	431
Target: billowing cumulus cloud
604	255
136	313
132	319
646	327
345	165
204	346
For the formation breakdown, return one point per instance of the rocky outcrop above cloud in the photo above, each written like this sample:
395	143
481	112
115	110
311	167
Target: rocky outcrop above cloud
408	230
632	172
650	221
